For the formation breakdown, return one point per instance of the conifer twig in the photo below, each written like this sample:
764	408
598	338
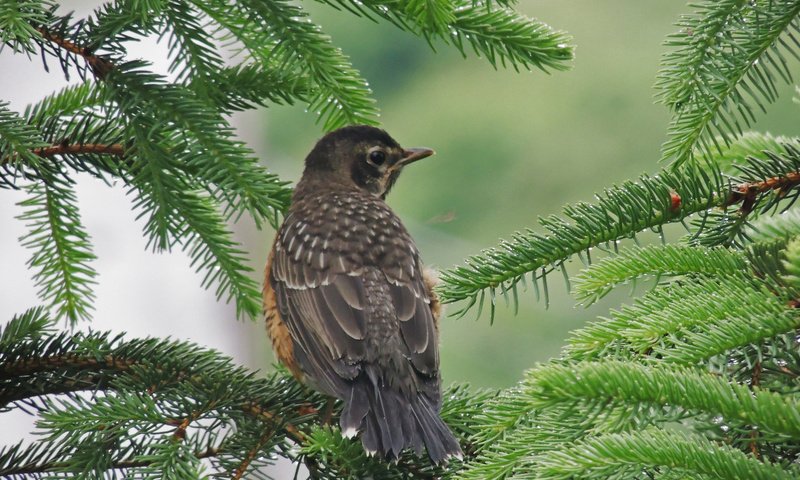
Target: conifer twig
745	193
180	430
29	366
116	149
118	465
292	432
240	470
100	66
674	197
43	364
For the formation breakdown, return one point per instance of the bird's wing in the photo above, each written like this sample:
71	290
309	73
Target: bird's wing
323	299
412	303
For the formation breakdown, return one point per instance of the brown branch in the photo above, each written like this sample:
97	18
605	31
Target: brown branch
116	149
76	384
746	193
37	364
180	432
292	432
252	453
100	66
123	464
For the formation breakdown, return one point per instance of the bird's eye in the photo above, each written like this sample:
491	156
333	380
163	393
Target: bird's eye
377	157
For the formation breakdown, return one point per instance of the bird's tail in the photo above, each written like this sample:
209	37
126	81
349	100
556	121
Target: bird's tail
389	422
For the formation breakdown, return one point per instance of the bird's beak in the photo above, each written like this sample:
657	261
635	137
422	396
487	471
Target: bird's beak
411	155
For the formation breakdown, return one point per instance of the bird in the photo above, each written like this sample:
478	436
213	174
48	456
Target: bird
350	309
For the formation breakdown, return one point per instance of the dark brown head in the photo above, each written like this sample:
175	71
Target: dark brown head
361	156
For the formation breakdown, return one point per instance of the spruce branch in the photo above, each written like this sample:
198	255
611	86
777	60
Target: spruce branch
110	26
502	36
291	431
658	261
17	20
709	340
61	248
432	15
81	115
168	166
240	471
206	142
523	433
625	454
53	362
622	212
99	65
30	325
766	260
499	34
261	207
18	140
192	50
613	381
70	100
155	403
720	228
791	264
767	228
695	45
749	144
32	349
88	142
257	85
90	374
760	194
21	461
115	149
728	56
657	321
339	96
502	413
178	215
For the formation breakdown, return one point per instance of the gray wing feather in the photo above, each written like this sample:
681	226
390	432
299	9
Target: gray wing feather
349	317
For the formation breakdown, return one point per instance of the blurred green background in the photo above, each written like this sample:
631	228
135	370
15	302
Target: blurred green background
510	147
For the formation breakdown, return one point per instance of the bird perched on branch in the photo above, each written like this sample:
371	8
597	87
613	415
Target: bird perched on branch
350	309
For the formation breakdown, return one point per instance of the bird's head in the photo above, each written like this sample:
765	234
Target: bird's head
361	156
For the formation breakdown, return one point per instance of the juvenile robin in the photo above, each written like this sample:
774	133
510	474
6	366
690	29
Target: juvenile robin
349	308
